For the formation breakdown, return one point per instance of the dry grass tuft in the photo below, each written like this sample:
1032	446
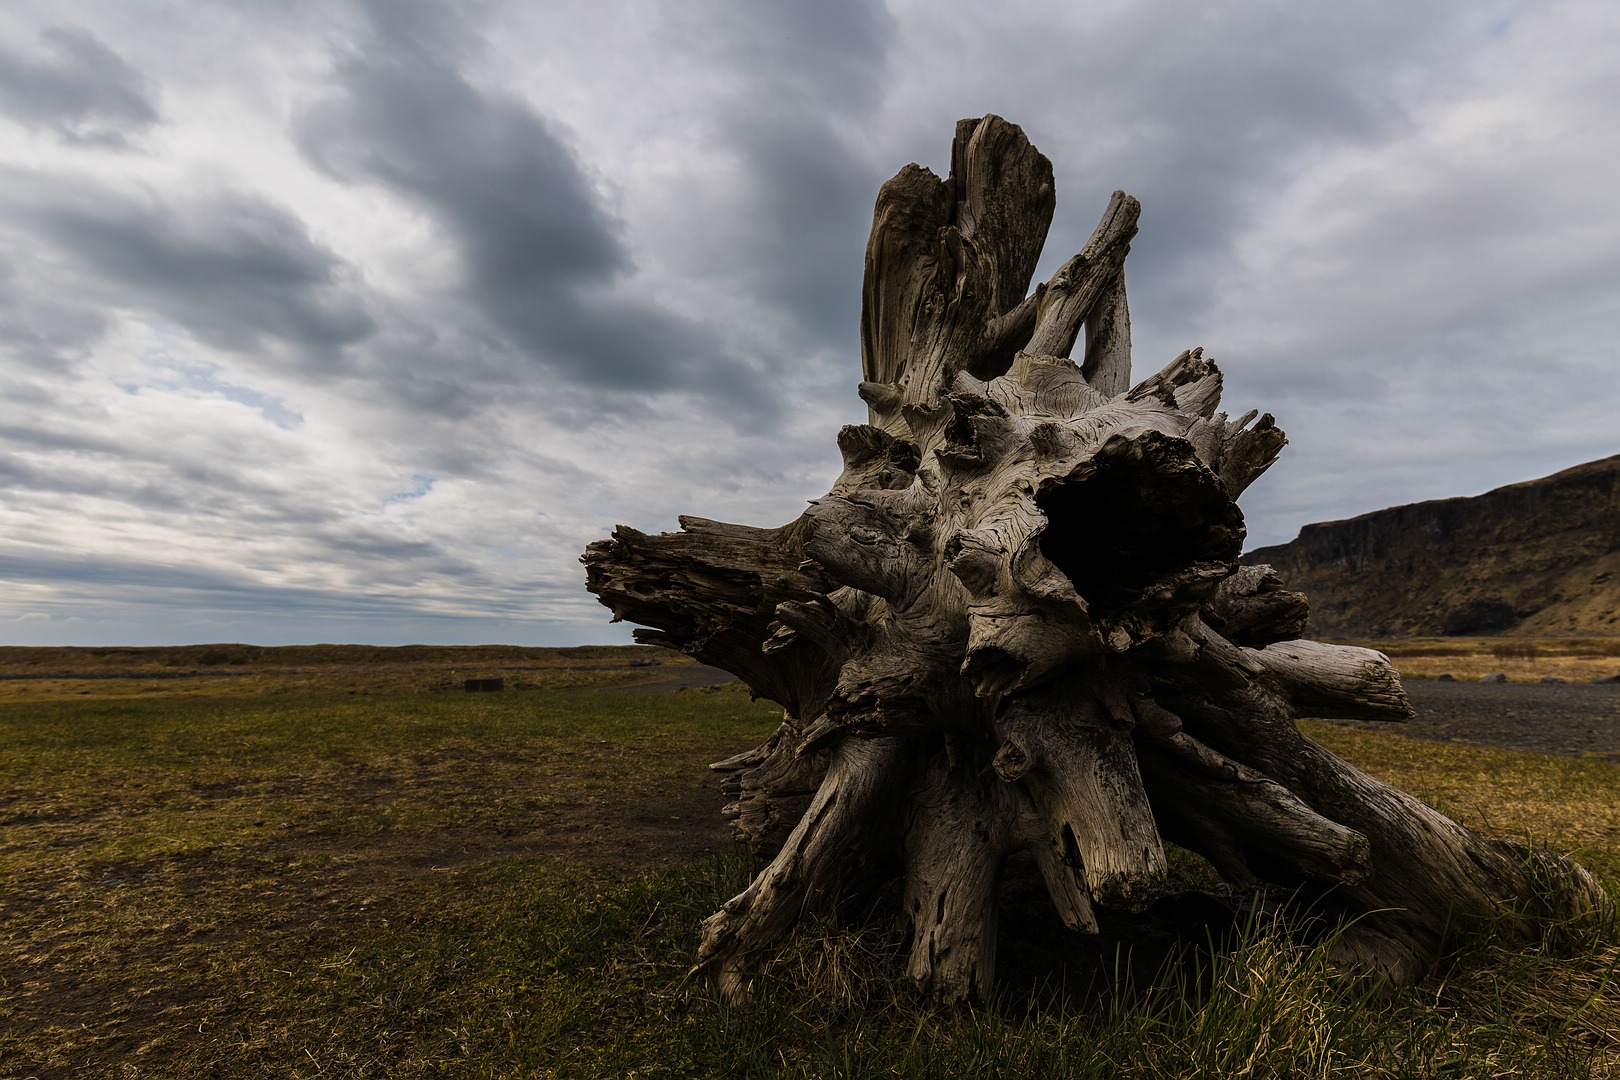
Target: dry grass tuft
1520	659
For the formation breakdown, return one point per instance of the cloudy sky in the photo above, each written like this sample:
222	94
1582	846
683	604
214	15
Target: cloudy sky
356	322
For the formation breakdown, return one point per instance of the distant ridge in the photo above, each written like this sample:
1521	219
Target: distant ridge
1535	558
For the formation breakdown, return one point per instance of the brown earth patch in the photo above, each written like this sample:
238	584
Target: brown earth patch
121	964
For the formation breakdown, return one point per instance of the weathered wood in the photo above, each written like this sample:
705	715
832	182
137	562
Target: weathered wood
1016	623
1252	607
711	591
1080	767
911	209
1004	203
1335	681
841	830
1097	271
771	786
1425	873
1251	828
958	834
1107	367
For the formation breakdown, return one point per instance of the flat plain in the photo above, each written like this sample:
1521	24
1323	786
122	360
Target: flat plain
333	860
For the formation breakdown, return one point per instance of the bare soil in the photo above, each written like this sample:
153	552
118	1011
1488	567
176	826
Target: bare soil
120	968
115	965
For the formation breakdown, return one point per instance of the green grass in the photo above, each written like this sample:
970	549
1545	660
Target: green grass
168	775
407	885
244	735
595	985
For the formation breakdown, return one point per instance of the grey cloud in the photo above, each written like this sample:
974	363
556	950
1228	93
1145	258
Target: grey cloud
544	261
234	269
42	324
81	90
147	479
807	214
110	570
211	496
145	495
192	480
513	191
112	579
222	493
807	79
428	385
769	128
118	609
1204	116
825	53
39	437
397	553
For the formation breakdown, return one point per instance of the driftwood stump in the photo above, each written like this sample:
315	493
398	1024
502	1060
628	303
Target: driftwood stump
1017	623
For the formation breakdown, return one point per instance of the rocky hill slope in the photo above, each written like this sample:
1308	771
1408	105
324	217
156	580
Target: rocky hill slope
1537	558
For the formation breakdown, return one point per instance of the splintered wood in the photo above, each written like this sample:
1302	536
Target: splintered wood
1016	623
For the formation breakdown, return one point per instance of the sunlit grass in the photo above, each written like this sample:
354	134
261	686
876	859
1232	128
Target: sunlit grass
1520	659
1569	805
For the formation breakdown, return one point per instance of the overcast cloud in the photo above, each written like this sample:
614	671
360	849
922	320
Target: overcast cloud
358	321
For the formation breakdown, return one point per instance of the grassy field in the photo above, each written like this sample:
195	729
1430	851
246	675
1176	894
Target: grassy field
1520	659
213	671
341	865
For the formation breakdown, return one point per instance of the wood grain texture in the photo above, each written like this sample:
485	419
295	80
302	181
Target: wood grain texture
1016	623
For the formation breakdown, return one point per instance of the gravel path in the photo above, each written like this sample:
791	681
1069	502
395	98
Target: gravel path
1572	720
1569	719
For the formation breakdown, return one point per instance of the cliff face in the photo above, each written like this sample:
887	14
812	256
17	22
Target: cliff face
1537	558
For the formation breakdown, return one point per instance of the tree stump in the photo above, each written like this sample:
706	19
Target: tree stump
1017	623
